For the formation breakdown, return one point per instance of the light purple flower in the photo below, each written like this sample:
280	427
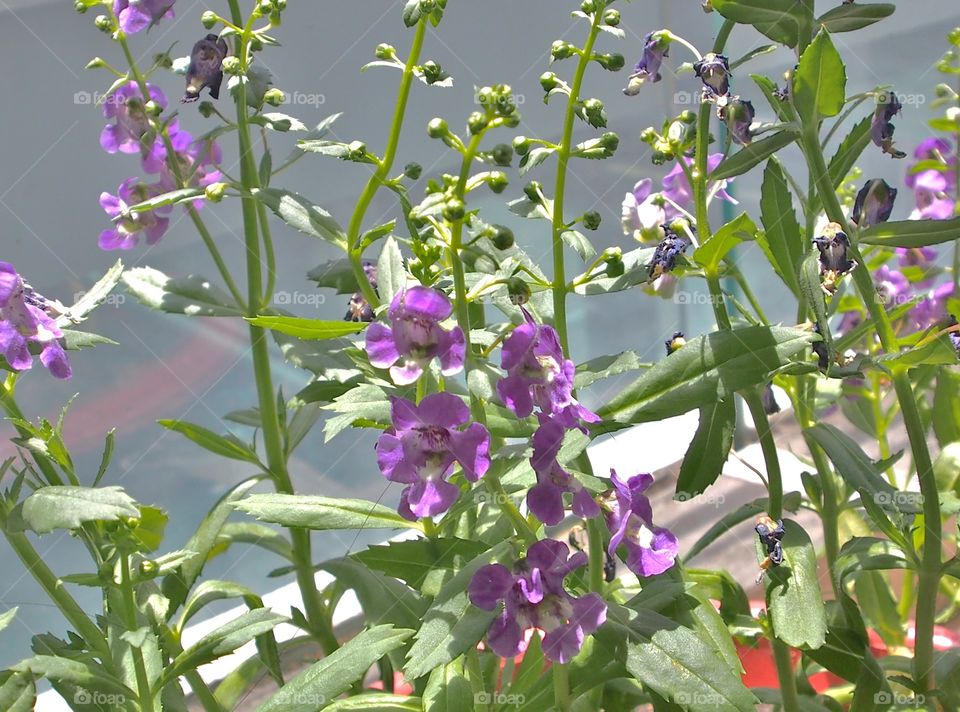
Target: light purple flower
23	320
677	188
656	46
126	106
539	374
916	256
422	446
533	596
891	285
197	161
415	336
650	550
643	212
129	226
933	307
545	499
137	15
933	189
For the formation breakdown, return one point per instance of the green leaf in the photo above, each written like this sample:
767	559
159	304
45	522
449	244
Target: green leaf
783	21
849	151
938	351
783	109
376	702
415	560
709	449
93	297
851	462
674	661
323	681
791	502
794	598
213	590
228	446
452	625
809	279
275	121
335	274
18	693
6	618
322	513
579	242
74	340
302	215
603	367
412	13
946	407
707	368
383	599
911	233
753	154
65	507
391	273
781	240
636	271
820	82
89	677
174	197
190	295
711	253
309	329
850	17
448	690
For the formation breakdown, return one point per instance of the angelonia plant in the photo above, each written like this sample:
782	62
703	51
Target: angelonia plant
522	578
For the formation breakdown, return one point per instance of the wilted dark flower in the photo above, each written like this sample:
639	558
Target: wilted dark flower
656	46
205	68
359	308
714	70
834	259
23	321
769	400
820	349
881	130
874	203
738	115
675	342
667	252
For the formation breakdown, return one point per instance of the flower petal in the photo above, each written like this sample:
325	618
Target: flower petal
381	348
472	450
489	586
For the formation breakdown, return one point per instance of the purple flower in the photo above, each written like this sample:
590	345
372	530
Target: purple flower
422	446
137	15
714	70
23	320
677	188
545	499
650	550
933	307
126	105
916	256
881	128
415	336
933	188
874	203
738	115
128	226
539	374
205	70
643	212
533	596
359	308
656	46
891	285
197	161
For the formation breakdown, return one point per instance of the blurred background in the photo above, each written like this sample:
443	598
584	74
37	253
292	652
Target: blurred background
52	171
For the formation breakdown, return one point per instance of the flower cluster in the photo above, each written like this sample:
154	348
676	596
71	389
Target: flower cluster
933	186
24	321
651	550
533	596
137	15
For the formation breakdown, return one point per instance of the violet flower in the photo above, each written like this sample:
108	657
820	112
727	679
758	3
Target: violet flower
137	15
129	226
874	203
533	596
881	128
677	188
656	46
359	308
650	550
197	161
125	104
738	115
714	70
23	321
205	68
539	374
643	212
422	446
933	188
545	499
933	307
415	336
891	285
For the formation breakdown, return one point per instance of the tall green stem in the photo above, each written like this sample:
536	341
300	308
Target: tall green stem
354	248
315	610
561	687
931	561
128	613
785	676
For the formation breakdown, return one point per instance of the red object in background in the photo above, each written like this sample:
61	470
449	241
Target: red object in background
400	685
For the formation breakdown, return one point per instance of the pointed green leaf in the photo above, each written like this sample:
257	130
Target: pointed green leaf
711	253
781	240
753	154
820	82
225	446
190	295
912	233
309	329
854	16
783	21
709	449
64	507
322	513
302	215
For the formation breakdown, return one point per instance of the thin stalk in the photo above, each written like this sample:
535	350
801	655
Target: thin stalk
561	687
595	536
769	449
354	249
785	676
129	616
315	610
270	255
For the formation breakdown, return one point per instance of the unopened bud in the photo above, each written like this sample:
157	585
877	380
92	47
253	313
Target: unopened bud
412	170
215	191
502	237
518	290
437	128
591	220
208	19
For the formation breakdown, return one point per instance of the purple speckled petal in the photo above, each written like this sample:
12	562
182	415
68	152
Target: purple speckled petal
452	351
9	282
489	586
392	461
113	240
428	498
517	346
443	409
404	414
14	348
584	505
55	359
424	303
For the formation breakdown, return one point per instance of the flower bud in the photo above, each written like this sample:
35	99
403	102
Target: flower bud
486	96
274	97
591	220
687	117
594	113
498	181
385	51
521	144
562	50
502	237
215	191
611	62
80	6
954	36
588	6
502	154
412	170
432	72
511	121
648	135
518	290
476	122
437	128
148	567
152	108
533	190
611	18
549	81
358	151
454	210
206	109
103	23
96	63
231	65
208	19
615	266
610	141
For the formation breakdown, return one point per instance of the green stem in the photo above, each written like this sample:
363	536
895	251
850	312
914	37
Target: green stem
564	149
354	249
785	676
595	536
315	610
930	565
769	449
129	616
561	687
270	255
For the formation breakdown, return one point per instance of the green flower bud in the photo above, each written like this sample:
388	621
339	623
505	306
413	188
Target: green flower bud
103	23
687	117
476	122
502	237
432	72
611	62
148	567
954	36
549	81
95	63
454	210
206	109
412	170
610	141
532	190
614	260
486	97
591	220
208	19
437	128
562	50
152	108
274	97
80	6
502	154
427	6
611	18
511	121
358	150
385	51
231	65
648	135
518	290
498	181
215	191
163	60
521	144
588	6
